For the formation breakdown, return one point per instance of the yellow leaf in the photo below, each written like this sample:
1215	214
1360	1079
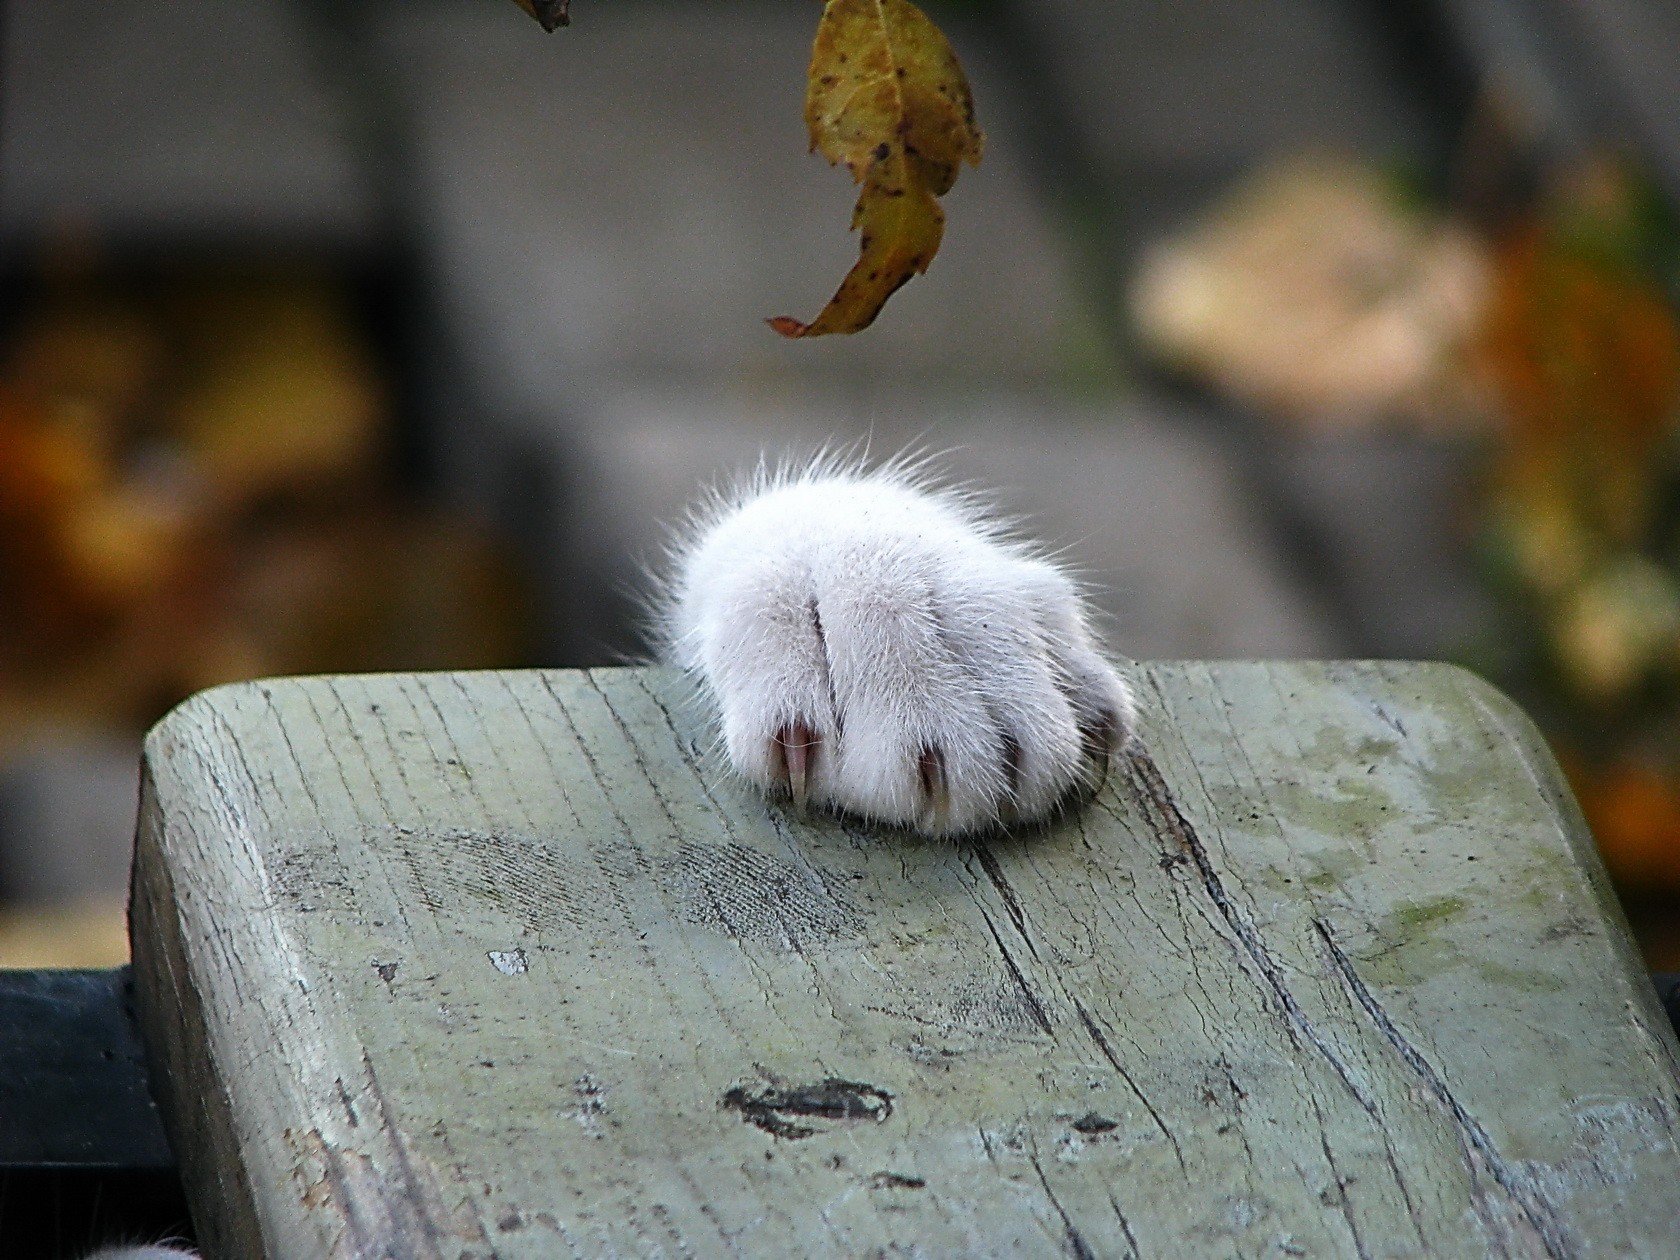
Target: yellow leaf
888	100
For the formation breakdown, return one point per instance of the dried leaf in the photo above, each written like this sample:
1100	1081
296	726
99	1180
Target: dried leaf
888	99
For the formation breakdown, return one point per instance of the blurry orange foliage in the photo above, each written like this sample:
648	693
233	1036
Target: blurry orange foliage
1582	347
1634	810
1585	352
191	492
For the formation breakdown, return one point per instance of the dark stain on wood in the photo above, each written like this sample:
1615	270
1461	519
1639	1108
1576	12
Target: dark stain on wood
782	1110
1091	1124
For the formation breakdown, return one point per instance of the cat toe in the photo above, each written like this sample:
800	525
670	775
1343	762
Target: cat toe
884	651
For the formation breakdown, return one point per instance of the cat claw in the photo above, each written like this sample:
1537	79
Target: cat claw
1012	765
1007	807
795	754
936	791
1101	736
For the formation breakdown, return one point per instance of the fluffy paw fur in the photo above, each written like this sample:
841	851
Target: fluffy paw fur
877	646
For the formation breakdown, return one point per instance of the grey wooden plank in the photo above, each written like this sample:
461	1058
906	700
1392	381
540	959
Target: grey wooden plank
1205	87
1587	74
1389	514
67	818
1629	50
497	964
193	122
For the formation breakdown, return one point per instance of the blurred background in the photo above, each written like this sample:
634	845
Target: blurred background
360	336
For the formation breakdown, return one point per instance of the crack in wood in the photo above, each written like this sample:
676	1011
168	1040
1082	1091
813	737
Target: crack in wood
1158	800
416	1184
1012	903
1478	1144
1096	1032
1340	1200
1125	1226
1027	995
1071	1237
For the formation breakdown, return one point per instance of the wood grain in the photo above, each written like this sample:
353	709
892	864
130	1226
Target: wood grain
501	965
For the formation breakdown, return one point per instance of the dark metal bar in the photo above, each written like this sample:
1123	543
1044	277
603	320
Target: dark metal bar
73	1091
1668	992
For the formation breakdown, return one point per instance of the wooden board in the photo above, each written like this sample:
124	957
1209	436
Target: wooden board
499	964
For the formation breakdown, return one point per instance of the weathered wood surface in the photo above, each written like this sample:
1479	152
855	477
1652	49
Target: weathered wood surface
496	964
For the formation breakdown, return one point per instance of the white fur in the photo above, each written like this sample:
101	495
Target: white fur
154	1251
894	621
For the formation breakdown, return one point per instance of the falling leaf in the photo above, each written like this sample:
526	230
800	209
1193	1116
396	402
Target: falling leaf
888	99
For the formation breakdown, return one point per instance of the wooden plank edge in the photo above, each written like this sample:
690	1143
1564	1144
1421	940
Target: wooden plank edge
1644	1003
186	1080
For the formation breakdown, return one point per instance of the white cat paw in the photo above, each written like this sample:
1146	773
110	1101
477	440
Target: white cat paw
879	648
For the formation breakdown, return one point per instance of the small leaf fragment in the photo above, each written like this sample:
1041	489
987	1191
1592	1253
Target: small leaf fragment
888	99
